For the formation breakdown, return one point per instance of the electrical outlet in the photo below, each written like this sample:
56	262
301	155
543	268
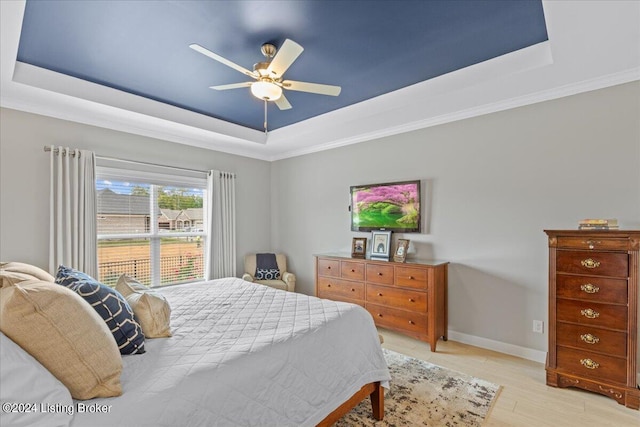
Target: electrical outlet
538	326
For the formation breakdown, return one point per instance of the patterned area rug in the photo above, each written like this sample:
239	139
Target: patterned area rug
424	394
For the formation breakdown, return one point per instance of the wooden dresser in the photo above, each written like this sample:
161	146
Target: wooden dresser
409	297
593	312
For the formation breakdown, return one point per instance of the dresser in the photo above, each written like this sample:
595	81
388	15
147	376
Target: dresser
409	297
593	312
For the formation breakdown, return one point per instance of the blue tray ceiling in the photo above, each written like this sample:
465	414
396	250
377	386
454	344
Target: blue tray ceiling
369	48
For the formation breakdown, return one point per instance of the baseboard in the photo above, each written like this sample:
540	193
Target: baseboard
514	350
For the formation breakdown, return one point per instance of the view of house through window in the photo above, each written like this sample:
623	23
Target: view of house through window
154	233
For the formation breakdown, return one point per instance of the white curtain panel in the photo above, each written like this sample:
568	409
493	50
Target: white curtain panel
221	219
72	233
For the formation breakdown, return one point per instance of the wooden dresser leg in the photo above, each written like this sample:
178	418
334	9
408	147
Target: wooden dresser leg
377	402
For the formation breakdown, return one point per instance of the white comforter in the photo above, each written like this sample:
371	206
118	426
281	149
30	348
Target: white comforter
243	354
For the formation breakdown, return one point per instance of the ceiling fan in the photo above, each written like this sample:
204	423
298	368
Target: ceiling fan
268	75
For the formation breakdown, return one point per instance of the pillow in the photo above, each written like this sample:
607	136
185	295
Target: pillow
60	330
151	308
267	274
110	305
15	272
24	380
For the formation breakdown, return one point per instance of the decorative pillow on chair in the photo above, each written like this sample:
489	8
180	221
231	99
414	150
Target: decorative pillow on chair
60	330
110	305
150	307
16	272
267	274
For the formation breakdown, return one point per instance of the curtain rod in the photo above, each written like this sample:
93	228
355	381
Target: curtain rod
56	150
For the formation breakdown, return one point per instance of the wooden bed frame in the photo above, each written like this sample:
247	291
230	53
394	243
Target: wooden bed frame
375	393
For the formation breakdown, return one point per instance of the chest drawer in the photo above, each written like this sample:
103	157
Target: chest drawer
397	298
593	263
338	289
402	320
593	243
592	314
411	277
352	270
592	339
329	267
592	365
381	274
592	288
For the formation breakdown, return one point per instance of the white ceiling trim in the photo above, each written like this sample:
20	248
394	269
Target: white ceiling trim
592	45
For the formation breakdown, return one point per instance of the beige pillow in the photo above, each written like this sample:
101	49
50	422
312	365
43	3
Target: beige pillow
151	308
65	334
16	272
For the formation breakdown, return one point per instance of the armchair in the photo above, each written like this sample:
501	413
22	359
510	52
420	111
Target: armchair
287	281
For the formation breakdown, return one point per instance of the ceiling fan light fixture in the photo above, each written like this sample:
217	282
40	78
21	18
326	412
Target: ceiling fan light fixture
266	90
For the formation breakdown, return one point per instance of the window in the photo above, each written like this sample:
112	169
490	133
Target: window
151	225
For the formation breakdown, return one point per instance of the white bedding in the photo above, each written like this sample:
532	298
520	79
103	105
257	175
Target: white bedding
243	354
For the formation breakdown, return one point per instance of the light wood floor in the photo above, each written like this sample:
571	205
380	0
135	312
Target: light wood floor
525	399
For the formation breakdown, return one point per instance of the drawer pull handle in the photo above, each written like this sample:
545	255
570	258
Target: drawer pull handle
411	322
379	294
589	339
589	288
411	300
379	274
353	290
329	285
590	313
589	364
352	270
379	315
591	243
329	268
410	277
590	263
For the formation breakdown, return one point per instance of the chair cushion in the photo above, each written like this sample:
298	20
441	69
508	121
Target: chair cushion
267	274
110	305
60	330
150	307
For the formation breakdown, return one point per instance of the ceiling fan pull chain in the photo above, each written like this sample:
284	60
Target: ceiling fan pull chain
265	116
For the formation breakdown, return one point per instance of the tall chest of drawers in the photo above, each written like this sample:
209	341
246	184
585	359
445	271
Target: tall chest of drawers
410	297
593	312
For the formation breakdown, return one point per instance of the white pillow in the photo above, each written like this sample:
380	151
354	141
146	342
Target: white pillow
25	380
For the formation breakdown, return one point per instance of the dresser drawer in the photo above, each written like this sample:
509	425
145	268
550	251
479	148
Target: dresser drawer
592	365
593	243
408	321
411	277
397	298
352	270
338	289
592	288
329	267
593	263
592	339
592	314
382	274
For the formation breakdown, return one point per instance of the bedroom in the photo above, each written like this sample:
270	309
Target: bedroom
495	182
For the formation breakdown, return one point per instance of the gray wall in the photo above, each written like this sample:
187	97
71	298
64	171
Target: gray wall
24	176
493	184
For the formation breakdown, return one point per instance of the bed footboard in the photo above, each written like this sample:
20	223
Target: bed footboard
375	393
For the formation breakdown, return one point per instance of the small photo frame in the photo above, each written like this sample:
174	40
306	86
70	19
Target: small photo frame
359	247
380	244
400	255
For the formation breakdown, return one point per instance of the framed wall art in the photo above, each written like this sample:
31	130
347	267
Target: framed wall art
400	254
359	247
380	244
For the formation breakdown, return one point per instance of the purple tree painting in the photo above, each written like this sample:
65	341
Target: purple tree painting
387	206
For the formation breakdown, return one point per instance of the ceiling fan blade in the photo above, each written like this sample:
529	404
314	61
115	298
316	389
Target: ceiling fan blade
285	56
312	87
222	60
231	86
283	103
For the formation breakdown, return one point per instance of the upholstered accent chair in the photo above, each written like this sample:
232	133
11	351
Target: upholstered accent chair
287	281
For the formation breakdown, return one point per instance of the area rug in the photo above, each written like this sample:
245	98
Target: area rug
424	394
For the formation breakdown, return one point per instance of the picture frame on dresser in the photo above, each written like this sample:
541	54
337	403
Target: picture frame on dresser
380	244
359	247
400	254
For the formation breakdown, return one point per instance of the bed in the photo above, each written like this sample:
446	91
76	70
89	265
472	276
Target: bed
243	354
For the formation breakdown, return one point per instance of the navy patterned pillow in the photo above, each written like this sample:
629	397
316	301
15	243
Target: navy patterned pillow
267	274
110	305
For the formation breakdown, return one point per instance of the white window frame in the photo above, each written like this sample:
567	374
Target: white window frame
156	176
